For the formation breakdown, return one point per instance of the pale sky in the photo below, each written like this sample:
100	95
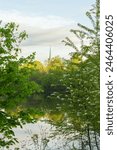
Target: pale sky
47	23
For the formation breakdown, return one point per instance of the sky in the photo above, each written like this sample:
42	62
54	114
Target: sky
47	23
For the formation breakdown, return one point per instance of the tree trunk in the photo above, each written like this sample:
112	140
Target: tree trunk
96	141
89	139
82	144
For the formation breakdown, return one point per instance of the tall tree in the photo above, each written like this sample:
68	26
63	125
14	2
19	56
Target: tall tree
81	100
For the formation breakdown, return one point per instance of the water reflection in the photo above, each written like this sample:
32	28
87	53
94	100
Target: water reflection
40	136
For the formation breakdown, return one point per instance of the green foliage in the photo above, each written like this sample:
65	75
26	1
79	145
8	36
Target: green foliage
80	100
15	84
49	81
67	91
55	63
85	33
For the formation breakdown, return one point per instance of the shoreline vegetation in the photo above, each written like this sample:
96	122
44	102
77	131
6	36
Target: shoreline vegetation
65	92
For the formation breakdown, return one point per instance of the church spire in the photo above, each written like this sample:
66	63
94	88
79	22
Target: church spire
49	54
